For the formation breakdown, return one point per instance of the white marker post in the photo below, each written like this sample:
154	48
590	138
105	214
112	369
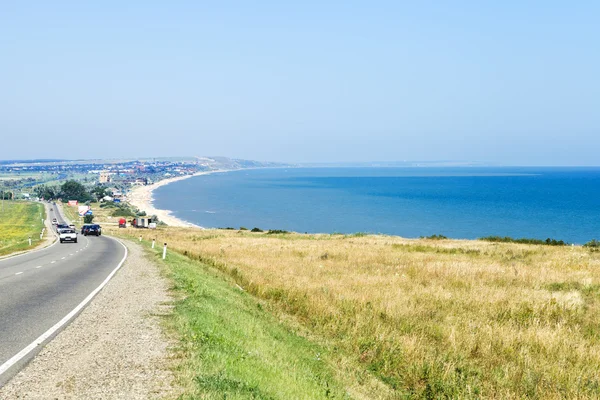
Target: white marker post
165	251
30	240
153	242
140	238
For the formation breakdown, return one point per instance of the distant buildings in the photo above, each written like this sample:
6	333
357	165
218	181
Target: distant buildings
120	174
104	177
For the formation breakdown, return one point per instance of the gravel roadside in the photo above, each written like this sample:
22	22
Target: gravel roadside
115	349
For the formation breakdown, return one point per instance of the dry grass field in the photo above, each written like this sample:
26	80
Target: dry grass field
101	215
428	318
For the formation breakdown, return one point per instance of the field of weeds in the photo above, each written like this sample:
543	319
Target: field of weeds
18	222
101	215
428	318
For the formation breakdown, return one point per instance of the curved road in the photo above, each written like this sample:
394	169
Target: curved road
39	289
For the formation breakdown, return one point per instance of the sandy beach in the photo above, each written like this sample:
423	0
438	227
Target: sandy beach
141	197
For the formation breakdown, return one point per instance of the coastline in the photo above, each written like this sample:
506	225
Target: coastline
141	197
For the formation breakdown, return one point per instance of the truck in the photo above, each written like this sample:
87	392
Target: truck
67	235
122	223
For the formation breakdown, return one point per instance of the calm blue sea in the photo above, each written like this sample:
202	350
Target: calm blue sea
560	203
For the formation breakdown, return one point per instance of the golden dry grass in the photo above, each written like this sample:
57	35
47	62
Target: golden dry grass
430	319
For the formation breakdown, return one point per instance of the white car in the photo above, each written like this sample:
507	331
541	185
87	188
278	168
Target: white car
67	235
54	221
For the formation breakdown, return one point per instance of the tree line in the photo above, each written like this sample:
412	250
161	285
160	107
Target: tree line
71	190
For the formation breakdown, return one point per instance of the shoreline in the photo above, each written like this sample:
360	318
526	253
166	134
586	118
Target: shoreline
142	198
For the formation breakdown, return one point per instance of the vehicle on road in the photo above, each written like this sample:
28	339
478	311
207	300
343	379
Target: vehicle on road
95	230
68	235
59	227
122	223
54	221
72	226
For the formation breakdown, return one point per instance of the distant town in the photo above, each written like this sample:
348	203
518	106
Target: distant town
19	178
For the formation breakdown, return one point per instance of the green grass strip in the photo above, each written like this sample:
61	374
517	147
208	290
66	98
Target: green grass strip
18	221
230	347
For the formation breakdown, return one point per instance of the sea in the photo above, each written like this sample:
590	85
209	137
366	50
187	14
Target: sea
457	202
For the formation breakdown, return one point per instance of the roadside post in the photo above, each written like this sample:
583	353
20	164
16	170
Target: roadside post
165	251
153	242
140	238
30	240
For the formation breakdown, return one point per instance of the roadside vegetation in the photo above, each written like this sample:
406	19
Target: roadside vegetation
19	221
428	318
231	347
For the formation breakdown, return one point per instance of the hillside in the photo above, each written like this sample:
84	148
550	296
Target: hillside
425	318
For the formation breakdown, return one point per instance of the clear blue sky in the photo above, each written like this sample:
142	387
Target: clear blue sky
514	82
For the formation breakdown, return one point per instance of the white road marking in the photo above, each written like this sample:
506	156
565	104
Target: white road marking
18	273
52	262
39	266
63	258
19	356
71	254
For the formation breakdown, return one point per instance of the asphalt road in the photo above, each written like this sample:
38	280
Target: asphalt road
39	289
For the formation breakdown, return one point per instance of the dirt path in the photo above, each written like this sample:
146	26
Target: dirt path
114	349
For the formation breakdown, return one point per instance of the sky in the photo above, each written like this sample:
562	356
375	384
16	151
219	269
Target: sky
511	82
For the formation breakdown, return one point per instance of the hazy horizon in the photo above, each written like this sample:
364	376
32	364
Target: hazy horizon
503	84
316	164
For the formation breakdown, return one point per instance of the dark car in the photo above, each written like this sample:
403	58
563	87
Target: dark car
60	227
95	230
85	228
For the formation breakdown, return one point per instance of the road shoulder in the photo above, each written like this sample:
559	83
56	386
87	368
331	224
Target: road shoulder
114	349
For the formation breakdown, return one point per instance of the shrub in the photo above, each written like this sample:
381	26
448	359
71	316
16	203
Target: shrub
122	212
242	228
256	230
507	239
554	242
594	244
435	237
359	234
276	232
